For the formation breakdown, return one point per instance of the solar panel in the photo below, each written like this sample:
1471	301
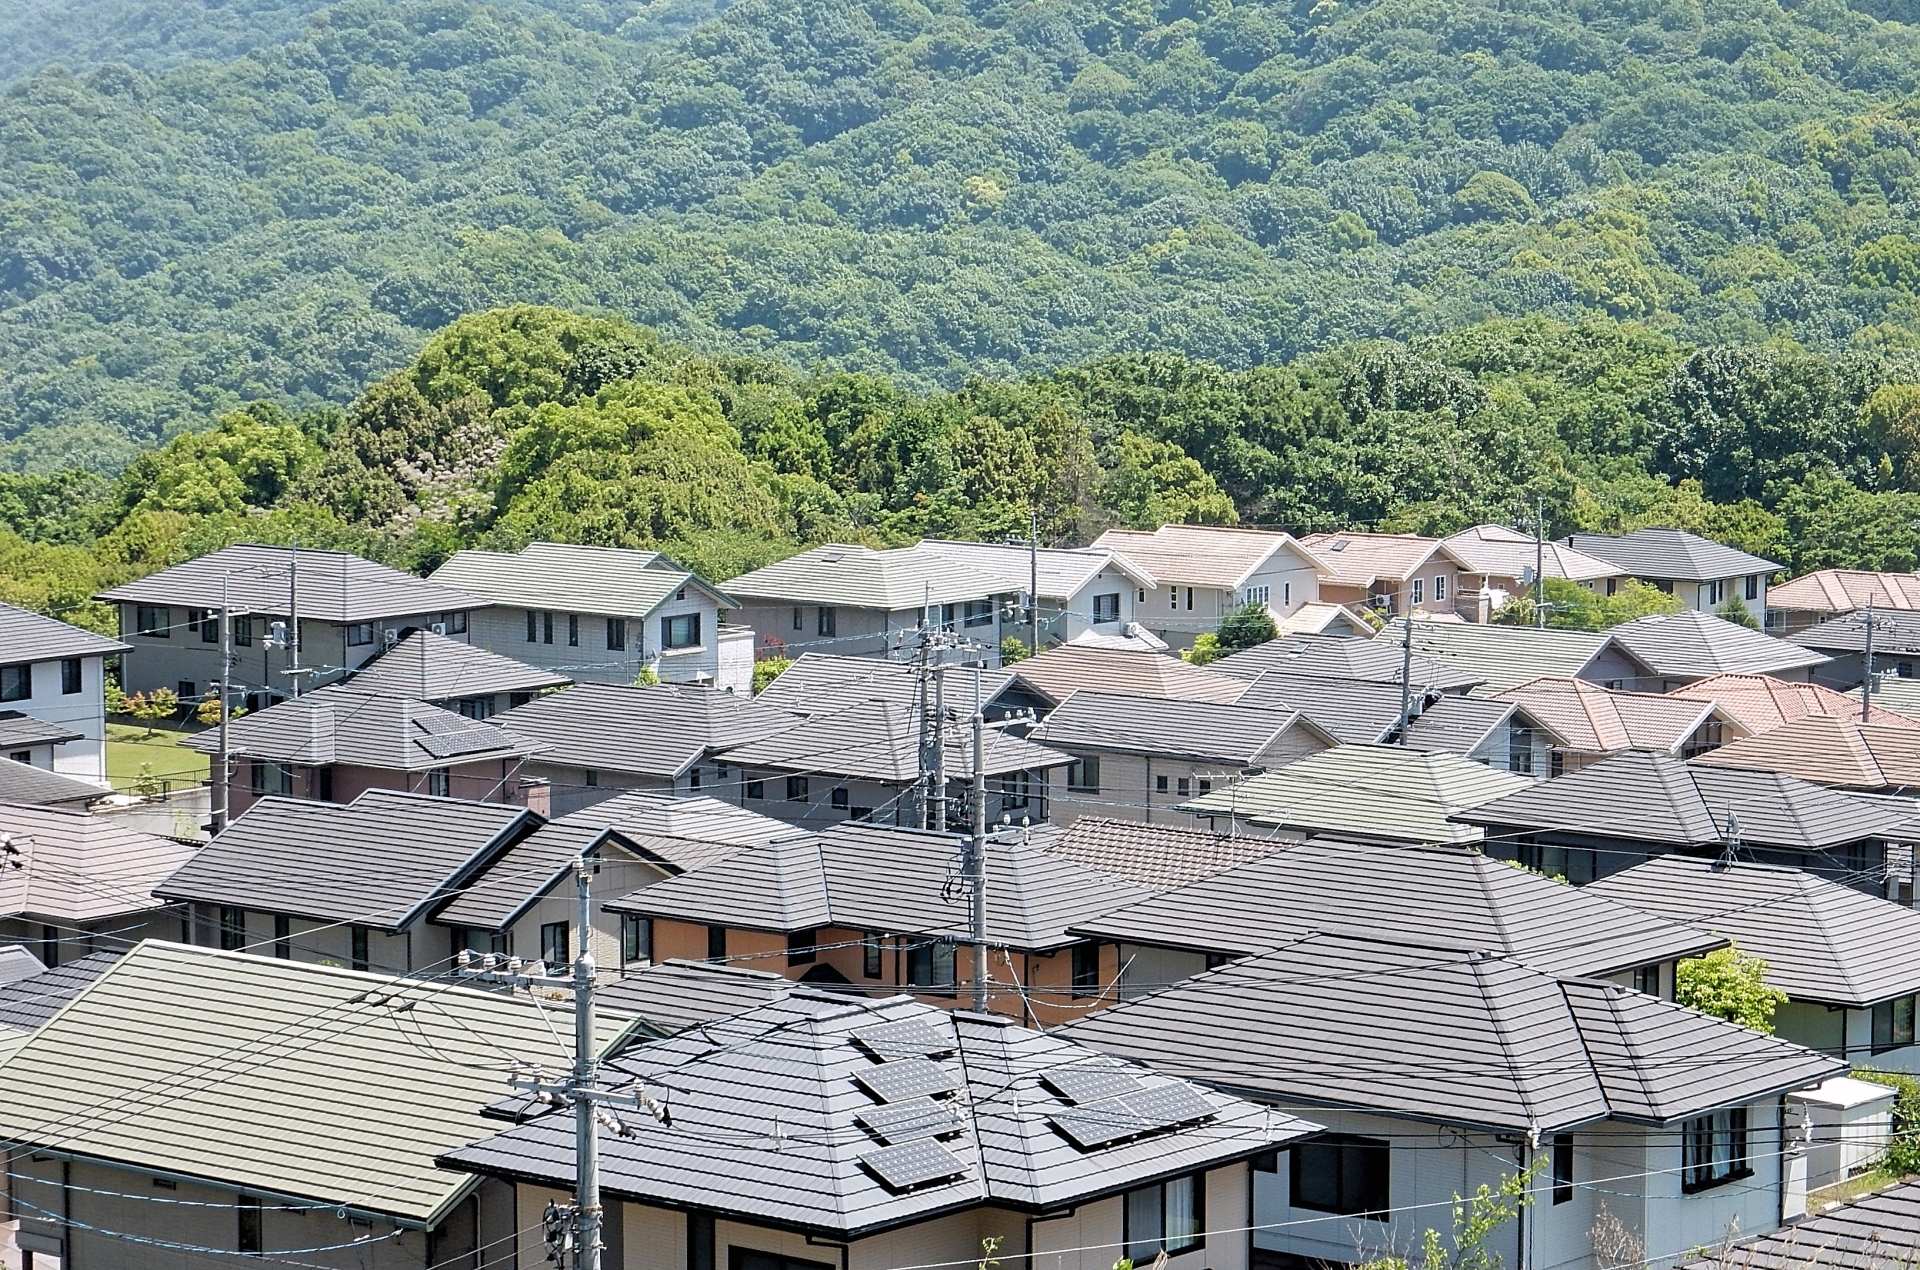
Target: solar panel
1090	1084
914	1164
910	1121
454	744
440	726
909	1038
907	1078
1169	1105
1099	1124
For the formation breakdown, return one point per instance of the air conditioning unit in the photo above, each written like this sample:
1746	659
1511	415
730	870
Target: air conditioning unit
391	636
438	628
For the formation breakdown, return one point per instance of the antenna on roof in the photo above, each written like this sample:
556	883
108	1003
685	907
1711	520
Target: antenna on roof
1729	841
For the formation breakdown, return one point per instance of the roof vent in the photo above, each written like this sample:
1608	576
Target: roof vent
833	557
1339	544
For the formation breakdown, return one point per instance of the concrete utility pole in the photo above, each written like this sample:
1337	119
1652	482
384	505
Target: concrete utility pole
1866	685
223	780
1406	679
1033	578
977	858
940	748
1539	564
294	670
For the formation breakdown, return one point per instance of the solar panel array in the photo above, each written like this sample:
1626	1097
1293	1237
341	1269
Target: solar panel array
1088	1083
907	1078
1102	1123
908	1039
910	1121
913	1164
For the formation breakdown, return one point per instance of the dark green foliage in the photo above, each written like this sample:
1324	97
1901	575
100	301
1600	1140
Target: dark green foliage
1245	627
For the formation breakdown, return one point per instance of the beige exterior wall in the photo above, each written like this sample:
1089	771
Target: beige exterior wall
502	629
1130	784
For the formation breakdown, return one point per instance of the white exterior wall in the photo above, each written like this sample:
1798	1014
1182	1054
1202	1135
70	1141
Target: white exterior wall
84	712
1130	783
502	629
320	942
619	874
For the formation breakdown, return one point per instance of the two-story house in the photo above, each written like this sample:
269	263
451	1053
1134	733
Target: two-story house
1208	571
1502	565
320	613
1700	573
52	694
1591	722
1824	594
1679	648
1389	573
603	614
73	883
1082	591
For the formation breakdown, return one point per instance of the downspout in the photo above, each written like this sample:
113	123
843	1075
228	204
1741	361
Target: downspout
1523	1232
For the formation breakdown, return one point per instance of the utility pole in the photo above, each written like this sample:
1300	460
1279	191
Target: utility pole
223	780
940	748
977	858
1406	678
1866	685
1539	564
578	1242
1033	578
294	670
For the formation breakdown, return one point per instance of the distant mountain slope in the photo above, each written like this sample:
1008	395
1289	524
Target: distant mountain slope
927	190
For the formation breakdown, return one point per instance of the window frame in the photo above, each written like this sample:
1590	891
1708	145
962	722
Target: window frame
872	945
1416	592
1701	1166
934	964
797	789
687	626
1083	774
233	928
1143	1247
439	782
357	948
16	681
977	613
803	947
573	630
1106	608
1346	1182
359	634
829	622
556	936
533	626
1893	1024
73	676
617	634
636	938
1085	969
1562	1168
153	621
1439	588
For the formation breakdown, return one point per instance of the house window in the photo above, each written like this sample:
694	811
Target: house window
870	945
1165	1217
205	621
249	1238
1520	751
1106	608
357	942
546	628
1258	594
1173	599
1708	736
186	690
1205	786
1439	588
1753	586
440	782
930	964
533	627
471	939
517	699
233	928
1083	774
70	677
1893	1024
1647	979
457	623
152	620
716	943
636	938
282	936
617	633
798	625
1562	1167
829	621
1341	1174
1016	790
978	613
680	632
1556	764
242	630
16	682
1189	599
554	939
1159	784
270	778
1417	591
802	947
1714	1150
796	789
573	630
756	789
323	778
1184	786
1086	969
839	800
359	634
949	616
1286	594
474	707
752	1259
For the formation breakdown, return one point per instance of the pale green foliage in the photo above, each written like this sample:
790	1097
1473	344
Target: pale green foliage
1731	985
1155	483
1573	607
1734	609
647	678
151	707
1013	649
768	669
1475	1221
1246	627
1206	648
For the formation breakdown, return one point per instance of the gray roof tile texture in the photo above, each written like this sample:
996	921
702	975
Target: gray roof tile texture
1822	941
27	1003
685	831
342	725
548	575
879	740
26	785
1875	1232
432	667
1440	896
1155	856
763	1122
660	730
1166	728
821	683
1697	645
23	729
334	586
1893	632
379	861
1361	712
1669	554
1060	672
74	867
529	869
1500	657
1337	657
1436	1034
30	637
674	995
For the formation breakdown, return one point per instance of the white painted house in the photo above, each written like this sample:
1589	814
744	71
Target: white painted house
1207	571
52	694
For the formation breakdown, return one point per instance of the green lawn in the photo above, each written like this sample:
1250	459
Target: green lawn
128	747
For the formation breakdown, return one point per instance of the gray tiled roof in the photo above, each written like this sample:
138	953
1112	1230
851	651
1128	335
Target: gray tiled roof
1669	554
1063	570
686	831
1501	657
660	730
879	740
871	877
1646	797
23	729
1441	896
1874	1232
1161	727
674	995
17	963
26	636
1337	657
1354	711
821	683
766	1122
1156	856
334	586
434	668
27	1003
80	868
1696	645
1469	1039
551	575
505	889
1060	672
362	729
1498	552
24	784
1894	634
379	861
1822	941
863	577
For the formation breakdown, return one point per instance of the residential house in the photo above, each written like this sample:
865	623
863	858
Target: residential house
822	683
1333	657
1894	699
350	884
72	884
193	1099
1083	591
872	761
1318	617
1441	1068
868	908
1843	641
601	739
348	610
1158	856
24	784
334	744
1590	722
1679	648
1143	757
1503	564
1501	734
52	703
1208	571
1415	895
1503	657
673	995
603	614
1366	793
686	831
1701	574
1824	594
1635	805
1843	753
1060	672
822	1132
1389	573
465	679
1761	703
29	1001
1848	962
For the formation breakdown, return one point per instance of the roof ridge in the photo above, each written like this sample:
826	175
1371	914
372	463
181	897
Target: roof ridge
1614	996
1515	1070
1806	888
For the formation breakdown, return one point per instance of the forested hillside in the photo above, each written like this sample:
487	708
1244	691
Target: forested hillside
190	220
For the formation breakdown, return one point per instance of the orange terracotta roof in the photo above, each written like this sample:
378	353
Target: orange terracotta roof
1829	751
1845	590
1762	703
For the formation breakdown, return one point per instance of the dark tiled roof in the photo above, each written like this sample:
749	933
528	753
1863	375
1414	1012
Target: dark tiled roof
496	898
675	995
27	1003
1335	657
1442	896
768	1112
432	667
1697	645
870	877
551	575
361	729
1501	657
379	861
24	784
1894	634
879	740
23	729
334	586
26	636
821	683
1156	855
1473	1039
660	730
1205	731
1876	1232
1669	554
1060	672
685	831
